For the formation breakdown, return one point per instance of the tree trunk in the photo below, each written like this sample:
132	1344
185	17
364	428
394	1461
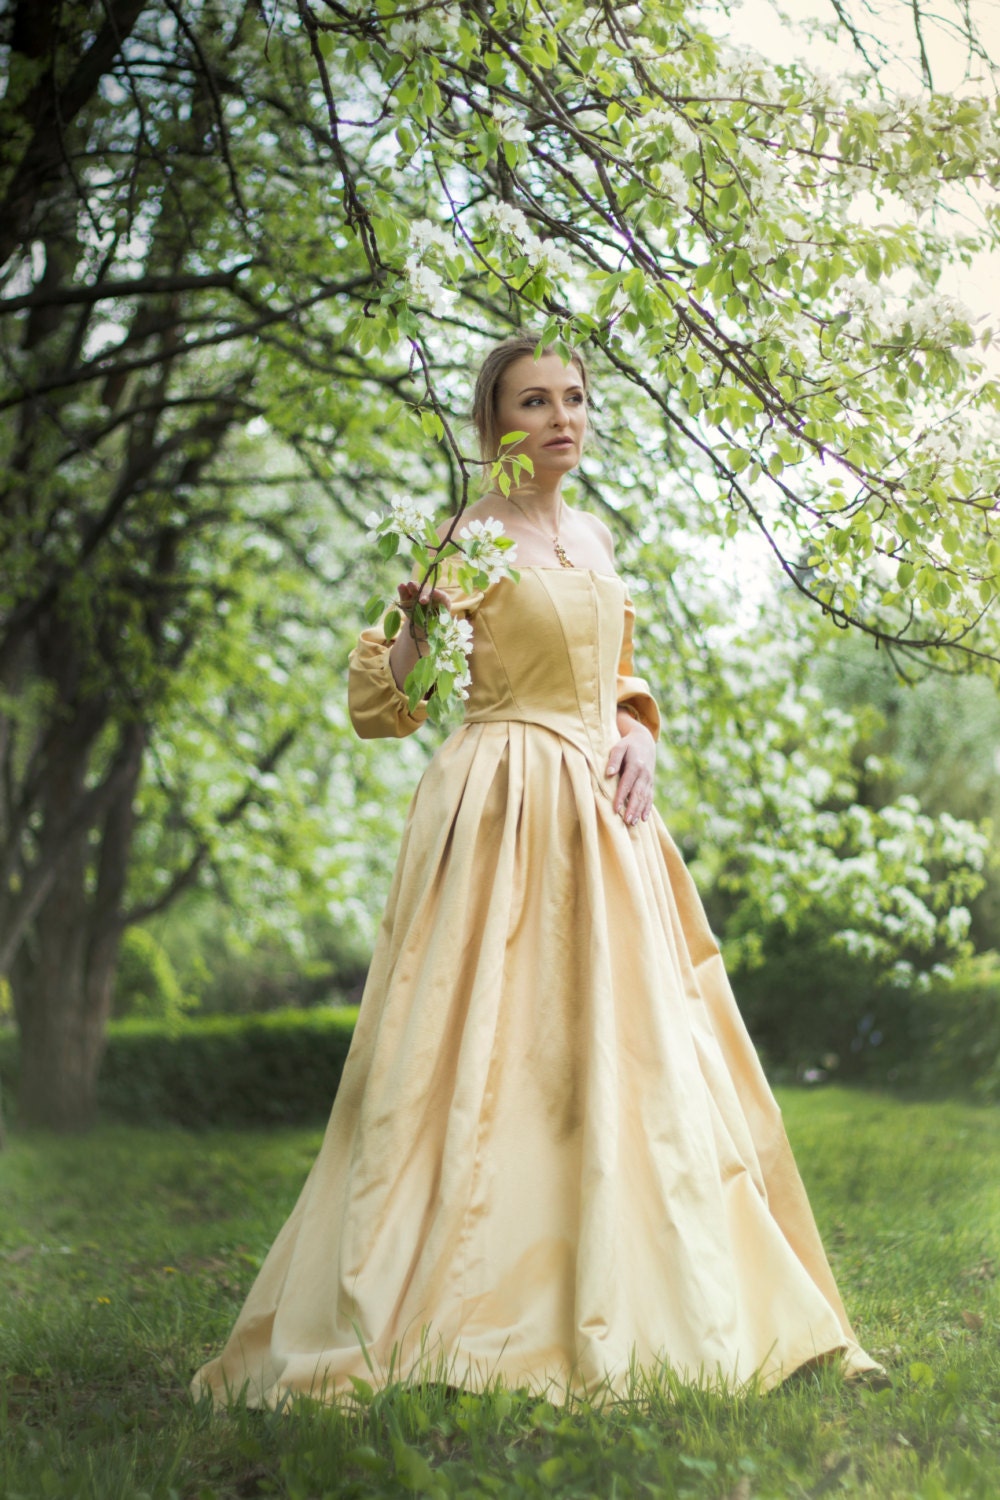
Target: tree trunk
63	976
61	1010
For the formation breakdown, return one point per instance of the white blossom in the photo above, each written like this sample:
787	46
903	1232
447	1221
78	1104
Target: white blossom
507	124
863	299
956	924
406	517
757	239
544	254
409	35
762	164
547	255
423	233
449	644
508	219
438	24
483	537
675	182
452	634
428	286
686	137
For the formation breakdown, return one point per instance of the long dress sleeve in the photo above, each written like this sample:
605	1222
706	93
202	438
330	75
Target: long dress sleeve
634	691
378	708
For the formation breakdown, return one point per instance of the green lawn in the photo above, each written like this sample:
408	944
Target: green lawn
124	1256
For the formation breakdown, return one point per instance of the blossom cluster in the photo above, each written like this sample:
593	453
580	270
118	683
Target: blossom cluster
427	239
449	646
428	286
892	883
543	254
405	518
434	27
493	554
508	126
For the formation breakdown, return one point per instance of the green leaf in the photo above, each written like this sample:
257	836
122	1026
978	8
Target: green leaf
365	1456
412	1469
393	620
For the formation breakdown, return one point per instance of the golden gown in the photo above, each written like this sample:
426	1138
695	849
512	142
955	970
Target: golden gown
553	1151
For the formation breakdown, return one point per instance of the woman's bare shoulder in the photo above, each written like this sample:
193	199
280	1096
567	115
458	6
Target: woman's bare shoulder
602	534
597	525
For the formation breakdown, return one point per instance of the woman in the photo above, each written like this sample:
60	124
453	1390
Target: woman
553	1153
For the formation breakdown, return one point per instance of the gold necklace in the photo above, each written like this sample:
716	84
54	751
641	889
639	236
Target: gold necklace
557	545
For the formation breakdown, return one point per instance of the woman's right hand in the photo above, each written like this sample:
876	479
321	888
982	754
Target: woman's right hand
406	647
411	594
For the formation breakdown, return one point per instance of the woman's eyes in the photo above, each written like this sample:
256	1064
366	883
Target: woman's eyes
540	400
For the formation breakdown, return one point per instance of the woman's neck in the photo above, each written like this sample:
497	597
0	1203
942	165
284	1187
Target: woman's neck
542	503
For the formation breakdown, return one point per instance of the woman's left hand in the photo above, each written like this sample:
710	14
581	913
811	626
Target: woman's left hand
633	760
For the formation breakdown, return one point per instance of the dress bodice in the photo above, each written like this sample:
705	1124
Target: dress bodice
547	650
553	649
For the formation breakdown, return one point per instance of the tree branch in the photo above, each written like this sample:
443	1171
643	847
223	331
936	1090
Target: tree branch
134	286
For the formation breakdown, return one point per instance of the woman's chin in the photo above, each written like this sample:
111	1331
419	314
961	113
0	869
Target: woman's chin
557	461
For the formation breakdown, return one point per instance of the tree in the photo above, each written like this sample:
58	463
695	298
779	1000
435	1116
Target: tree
143	303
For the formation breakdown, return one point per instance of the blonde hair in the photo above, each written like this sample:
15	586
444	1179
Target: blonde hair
491	372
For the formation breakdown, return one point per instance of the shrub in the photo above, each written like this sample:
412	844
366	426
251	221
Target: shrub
808	1002
146	984
964	1031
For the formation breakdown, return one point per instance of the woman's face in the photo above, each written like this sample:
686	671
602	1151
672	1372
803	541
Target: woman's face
546	399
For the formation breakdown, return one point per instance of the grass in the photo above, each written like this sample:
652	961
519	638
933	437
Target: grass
124	1257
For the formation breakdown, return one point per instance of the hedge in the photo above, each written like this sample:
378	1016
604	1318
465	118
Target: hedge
283	1067
279	1068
